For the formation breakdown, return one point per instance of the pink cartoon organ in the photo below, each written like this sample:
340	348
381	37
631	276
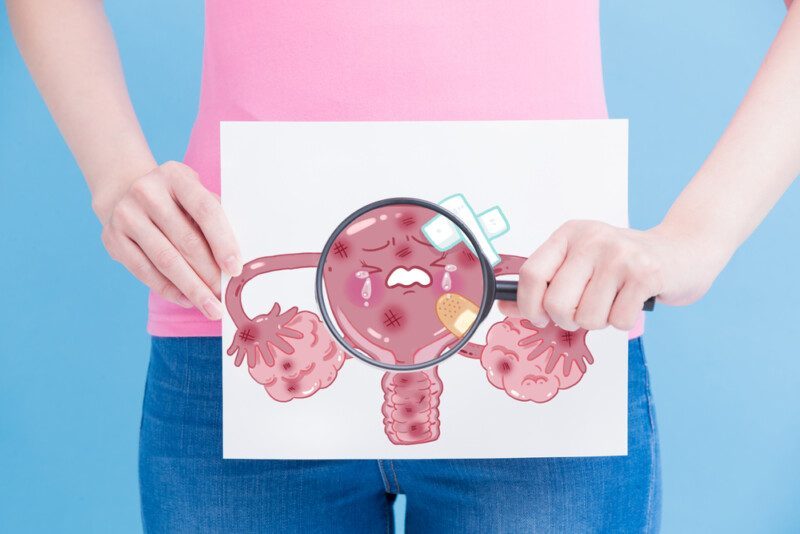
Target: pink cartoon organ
384	295
383	280
533	364
411	406
307	362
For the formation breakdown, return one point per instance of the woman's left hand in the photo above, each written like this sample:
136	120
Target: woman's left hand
590	274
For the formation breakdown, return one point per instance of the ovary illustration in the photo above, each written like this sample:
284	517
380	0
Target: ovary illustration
401	299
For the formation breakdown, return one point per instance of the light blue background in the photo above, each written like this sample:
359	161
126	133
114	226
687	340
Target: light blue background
73	350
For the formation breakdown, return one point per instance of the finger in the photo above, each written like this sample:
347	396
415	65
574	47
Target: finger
169	261
552	360
580	362
597	299
252	357
508	307
132	257
240	356
267	356
562	297
628	305
234	346
205	210
570	363
535	274
282	345
290	333
185	236
532	339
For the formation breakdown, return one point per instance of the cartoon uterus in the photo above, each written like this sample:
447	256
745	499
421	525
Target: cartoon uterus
383	280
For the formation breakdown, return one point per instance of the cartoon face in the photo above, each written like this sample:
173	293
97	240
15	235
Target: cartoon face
383	280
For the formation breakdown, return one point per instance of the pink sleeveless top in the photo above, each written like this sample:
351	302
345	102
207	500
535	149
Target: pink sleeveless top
361	60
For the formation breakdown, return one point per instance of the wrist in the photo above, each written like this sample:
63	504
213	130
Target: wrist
108	189
707	249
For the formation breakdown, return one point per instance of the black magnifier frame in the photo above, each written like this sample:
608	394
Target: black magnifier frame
493	289
489	284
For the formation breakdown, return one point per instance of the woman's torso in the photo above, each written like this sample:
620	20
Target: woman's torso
361	60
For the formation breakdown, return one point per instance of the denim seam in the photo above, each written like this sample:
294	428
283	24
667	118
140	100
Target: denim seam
222	493
388	514
386	485
653	461
394	473
141	425
186	399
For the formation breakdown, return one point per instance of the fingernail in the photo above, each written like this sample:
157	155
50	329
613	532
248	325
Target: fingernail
183	301
540	324
233	266
212	309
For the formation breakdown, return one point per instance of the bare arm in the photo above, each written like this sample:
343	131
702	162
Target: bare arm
72	56
600	275
756	159
147	211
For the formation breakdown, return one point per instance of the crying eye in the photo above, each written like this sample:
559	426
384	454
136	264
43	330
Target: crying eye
370	269
421	242
375	249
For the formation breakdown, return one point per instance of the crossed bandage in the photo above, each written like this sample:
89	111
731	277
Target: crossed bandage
485	226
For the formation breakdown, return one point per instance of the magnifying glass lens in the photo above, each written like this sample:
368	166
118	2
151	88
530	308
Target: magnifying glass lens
402	285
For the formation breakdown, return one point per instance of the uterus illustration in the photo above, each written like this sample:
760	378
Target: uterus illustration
383	279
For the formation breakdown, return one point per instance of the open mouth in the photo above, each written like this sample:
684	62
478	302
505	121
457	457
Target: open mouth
401	276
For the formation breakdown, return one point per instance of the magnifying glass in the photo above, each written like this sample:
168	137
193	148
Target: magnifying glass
397	293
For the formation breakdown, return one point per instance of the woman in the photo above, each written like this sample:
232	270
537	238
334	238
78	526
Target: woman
413	60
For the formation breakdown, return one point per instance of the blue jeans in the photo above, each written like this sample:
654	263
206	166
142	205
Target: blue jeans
186	486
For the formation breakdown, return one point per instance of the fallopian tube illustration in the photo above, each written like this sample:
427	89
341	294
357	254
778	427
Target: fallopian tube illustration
383	280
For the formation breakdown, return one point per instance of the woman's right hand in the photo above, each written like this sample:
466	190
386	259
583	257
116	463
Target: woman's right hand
171	233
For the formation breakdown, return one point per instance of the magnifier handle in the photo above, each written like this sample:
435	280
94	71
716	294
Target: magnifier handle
507	290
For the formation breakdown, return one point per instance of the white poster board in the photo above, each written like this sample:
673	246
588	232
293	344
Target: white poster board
286	186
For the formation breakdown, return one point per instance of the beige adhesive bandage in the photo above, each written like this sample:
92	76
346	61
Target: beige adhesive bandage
456	313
